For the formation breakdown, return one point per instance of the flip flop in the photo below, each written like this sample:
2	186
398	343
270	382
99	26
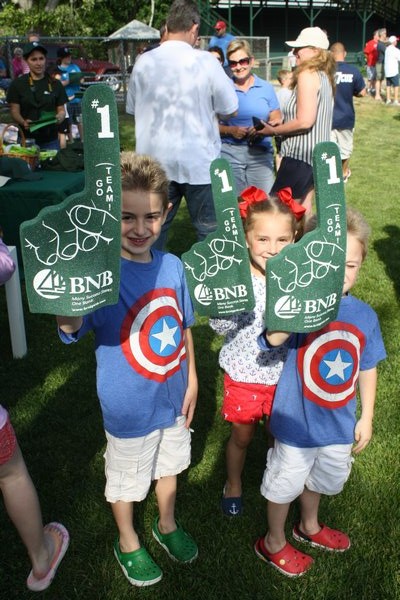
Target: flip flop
38	585
289	561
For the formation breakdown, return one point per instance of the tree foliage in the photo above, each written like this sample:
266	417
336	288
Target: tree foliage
65	18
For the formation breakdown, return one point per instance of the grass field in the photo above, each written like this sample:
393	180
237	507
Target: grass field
52	400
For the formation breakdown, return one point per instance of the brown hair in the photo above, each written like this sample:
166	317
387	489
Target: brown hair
273	206
142	172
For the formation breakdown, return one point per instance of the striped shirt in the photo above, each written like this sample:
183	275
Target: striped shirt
301	146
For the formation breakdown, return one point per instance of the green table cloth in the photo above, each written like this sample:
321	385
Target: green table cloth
23	200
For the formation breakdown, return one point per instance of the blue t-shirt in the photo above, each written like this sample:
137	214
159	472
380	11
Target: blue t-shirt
349	83
223	43
315	400
257	101
70	89
140	349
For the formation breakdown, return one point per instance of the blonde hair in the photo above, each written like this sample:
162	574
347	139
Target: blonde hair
323	61
357	226
239	44
283	74
142	172
273	205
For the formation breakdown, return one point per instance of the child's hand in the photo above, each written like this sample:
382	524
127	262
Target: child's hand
217	269
362	435
71	251
189	404
305	280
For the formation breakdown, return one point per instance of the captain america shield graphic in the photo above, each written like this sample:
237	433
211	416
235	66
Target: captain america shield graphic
329	364
152	337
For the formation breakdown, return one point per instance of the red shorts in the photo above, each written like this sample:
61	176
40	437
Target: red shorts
8	442
246	402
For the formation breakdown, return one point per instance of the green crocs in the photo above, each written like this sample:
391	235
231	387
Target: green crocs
138	566
179	545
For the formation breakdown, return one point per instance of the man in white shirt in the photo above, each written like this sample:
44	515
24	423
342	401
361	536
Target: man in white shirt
177	94
392	59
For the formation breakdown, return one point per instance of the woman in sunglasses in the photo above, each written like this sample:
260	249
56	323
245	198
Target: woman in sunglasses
252	160
307	115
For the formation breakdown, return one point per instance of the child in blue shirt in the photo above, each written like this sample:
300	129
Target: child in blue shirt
314	417
146	374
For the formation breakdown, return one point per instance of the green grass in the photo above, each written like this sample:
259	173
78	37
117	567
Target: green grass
52	399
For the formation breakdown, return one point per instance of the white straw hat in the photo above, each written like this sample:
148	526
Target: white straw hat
310	36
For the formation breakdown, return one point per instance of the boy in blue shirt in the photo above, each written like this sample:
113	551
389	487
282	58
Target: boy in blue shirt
314	417
146	374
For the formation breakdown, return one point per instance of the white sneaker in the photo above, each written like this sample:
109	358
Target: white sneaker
388	102
396	103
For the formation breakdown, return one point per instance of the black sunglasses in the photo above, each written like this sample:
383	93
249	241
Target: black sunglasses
243	62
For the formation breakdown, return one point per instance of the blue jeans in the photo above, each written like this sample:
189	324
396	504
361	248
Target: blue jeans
200	203
54	145
251	165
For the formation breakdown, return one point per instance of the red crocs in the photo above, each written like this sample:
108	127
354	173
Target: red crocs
326	538
289	561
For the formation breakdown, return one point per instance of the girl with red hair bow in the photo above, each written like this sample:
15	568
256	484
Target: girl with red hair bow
251	375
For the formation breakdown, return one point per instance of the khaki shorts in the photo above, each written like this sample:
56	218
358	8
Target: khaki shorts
344	139
324	470
132	464
380	72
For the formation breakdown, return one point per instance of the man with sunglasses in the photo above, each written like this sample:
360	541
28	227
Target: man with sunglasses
176	94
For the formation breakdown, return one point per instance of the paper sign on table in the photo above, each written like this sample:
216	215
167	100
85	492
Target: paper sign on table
217	269
71	251
305	280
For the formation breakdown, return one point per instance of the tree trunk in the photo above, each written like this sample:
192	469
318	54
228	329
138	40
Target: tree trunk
51	5
152	13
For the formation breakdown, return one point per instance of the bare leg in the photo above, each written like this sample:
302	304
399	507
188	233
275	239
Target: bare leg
277	514
378	90
123	515
309	503
345	167
165	489
236	449
396	93
22	505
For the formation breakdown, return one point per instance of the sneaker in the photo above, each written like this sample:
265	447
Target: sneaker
178	544
396	103
388	102
138	566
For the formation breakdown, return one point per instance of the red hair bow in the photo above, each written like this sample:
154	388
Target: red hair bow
285	196
250	196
